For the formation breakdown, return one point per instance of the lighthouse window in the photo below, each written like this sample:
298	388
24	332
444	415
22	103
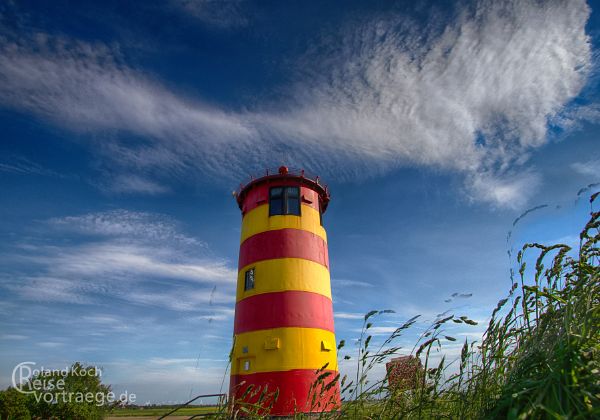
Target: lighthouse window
284	200
320	213
293	201
276	201
249	279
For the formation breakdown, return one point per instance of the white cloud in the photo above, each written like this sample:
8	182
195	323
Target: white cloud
570	240
473	99
116	259
588	168
221	14
21	165
474	96
125	223
128	183
350	283
13	337
86	87
50	344
185	299
44	288
222	313
471	335
125	256
110	322
511	190
348	315
176	376
379	330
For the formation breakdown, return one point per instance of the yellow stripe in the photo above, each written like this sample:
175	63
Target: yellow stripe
282	274
282	349
257	220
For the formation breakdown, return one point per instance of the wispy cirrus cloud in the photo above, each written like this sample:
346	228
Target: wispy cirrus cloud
13	337
125	255
125	223
220	14
122	260
471	99
132	183
88	88
21	165
349	315
467	96
350	283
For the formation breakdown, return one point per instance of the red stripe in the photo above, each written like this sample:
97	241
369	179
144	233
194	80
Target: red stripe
291	308
283	243
259	195
294	391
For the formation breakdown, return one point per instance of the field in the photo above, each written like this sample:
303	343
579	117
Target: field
156	412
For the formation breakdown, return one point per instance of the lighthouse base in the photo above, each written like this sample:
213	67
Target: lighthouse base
285	393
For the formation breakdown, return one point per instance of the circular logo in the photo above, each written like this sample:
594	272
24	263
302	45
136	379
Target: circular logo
21	374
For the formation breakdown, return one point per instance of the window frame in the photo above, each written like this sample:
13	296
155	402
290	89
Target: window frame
247	285
285	198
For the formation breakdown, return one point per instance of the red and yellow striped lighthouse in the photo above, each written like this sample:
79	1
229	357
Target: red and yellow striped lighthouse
283	330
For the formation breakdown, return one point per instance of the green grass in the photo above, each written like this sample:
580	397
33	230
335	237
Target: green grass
159	411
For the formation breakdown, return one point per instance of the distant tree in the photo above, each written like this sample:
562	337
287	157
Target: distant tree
13	405
77	394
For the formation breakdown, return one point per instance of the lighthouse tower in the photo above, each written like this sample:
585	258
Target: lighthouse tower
283	329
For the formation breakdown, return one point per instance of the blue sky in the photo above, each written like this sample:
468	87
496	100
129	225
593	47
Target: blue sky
125	127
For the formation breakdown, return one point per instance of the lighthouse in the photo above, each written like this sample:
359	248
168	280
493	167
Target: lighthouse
284	342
